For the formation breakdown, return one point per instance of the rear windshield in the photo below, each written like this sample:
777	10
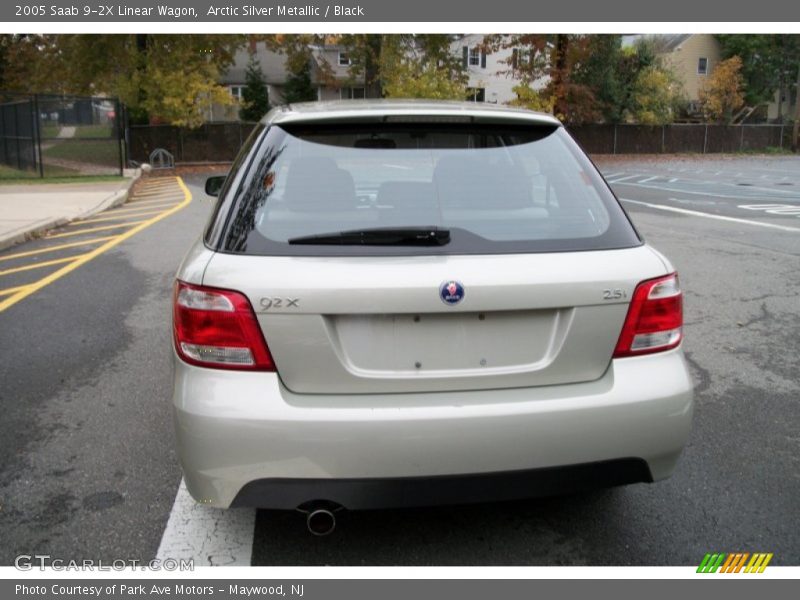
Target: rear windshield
496	189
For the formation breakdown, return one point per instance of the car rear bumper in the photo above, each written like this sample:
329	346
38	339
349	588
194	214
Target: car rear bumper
244	439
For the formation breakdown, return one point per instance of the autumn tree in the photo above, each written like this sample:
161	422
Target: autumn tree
722	94
364	51
422	67
655	97
255	95
769	64
163	78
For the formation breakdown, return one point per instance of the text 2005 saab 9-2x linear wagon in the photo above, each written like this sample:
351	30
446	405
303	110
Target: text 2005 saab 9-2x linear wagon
417	303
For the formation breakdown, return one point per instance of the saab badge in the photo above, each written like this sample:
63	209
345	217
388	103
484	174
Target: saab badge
451	292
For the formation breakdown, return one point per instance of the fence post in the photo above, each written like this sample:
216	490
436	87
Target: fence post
663	139
17	136
117	119
614	151
36	118
741	139
705	139
781	136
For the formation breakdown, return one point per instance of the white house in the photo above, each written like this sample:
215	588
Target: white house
490	77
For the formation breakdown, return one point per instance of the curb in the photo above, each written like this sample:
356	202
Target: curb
116	199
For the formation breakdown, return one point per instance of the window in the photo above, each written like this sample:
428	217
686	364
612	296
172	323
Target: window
520	58
702	66
474	57
344	59
352	93
476	94
496	188
236	92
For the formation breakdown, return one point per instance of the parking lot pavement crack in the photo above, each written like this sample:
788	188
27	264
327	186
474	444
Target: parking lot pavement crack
702	374
765	315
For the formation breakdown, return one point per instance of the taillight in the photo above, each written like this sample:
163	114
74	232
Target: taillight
655	318
218	328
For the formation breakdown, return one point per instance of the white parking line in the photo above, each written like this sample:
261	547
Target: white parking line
782	194
649	179
624	178
696	213
209	536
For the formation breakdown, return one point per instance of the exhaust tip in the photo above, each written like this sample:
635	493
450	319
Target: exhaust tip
321	522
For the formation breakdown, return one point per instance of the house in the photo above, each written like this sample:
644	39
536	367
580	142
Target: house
337	83
490	77
692	58
272	66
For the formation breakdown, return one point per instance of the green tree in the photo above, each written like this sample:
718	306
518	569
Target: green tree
769	64
422	67
655	97
598	68
170	78
532	99
255	95
298	87
364	51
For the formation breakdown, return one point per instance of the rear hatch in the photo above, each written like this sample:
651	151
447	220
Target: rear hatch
378	325
541	259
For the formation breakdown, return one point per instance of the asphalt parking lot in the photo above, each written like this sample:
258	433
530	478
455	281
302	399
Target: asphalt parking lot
88	467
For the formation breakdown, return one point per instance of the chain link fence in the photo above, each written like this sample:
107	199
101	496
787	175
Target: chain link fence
209	143
60	136
219	142
678	138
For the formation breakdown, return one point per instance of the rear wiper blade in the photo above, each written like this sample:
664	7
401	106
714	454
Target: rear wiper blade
380	236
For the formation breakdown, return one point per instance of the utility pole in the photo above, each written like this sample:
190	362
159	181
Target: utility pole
796	128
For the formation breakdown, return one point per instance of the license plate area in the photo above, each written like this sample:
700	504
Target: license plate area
440	344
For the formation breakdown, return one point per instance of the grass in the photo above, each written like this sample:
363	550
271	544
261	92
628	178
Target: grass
82	132
95	152
9	176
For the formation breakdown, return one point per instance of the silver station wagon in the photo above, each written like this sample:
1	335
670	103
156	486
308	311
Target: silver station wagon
415	303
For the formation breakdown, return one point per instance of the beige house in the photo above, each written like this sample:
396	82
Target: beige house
692	57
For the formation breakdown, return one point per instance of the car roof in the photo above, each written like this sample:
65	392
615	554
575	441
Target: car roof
347	110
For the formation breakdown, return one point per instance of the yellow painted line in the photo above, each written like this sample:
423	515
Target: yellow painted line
13	290
150	206
32	266
35	287
155	200
162	189
59	247
92	229
148	202
150	194
142	213
165	195
141	204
